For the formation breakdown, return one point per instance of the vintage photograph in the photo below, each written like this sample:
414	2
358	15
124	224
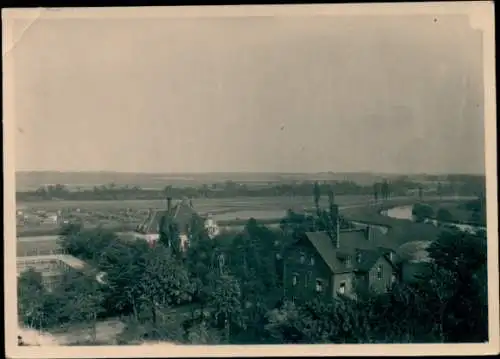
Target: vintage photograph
218	176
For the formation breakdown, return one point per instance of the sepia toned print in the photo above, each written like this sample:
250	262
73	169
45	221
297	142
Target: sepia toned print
263	180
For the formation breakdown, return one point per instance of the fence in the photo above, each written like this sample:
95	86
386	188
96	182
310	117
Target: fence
35	252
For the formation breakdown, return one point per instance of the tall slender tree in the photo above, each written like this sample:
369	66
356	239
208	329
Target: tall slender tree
317	197
439	190
333	214
376	191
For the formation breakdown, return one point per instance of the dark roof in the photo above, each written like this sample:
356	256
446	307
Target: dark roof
182	213
351	242
325	248
368	260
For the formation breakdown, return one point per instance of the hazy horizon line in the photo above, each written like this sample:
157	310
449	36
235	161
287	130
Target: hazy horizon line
251	172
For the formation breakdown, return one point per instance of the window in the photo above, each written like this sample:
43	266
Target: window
379	272
306	280
295	279
348	261
302	258
312	261
221	260
319	285
358	257
342	288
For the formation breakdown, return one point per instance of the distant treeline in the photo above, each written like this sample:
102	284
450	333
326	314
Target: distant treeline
471	186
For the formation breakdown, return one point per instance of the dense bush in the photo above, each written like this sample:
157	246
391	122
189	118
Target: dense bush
444	215
421	212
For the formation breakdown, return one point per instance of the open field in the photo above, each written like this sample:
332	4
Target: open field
32	180
201	204
126	215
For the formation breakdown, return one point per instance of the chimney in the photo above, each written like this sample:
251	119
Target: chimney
334	213
337	232
169	204
369	233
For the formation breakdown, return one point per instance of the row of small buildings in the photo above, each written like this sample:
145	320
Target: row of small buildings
345	262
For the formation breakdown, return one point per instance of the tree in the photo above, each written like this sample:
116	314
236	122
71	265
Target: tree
444	215
225	300
30	292
79	298
285	324
385	189
202	334
376	191
317	197
124	264
421	212
164	282
197	230
461	260
477	208
253	256
170	234
439	189
167	191
296	224
86	244
420	192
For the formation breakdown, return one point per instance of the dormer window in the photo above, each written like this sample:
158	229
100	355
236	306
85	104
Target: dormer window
312	261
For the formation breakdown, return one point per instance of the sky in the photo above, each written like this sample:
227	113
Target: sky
260	94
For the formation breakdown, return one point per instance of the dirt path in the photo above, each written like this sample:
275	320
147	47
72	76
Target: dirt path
106	332
34	337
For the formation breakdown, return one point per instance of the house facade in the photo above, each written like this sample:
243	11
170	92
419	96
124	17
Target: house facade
180	214
347	263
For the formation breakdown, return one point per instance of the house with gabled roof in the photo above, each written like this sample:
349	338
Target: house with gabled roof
181	214
348	262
